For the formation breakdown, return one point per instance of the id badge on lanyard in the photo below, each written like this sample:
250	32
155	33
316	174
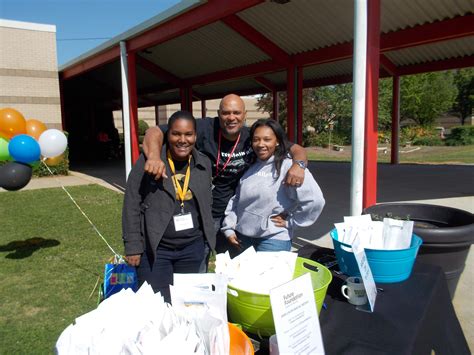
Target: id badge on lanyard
183	221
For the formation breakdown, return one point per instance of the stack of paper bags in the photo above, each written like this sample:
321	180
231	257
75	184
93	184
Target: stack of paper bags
140	323
257	272
203	298
391	234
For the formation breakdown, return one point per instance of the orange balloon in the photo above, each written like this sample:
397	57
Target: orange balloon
34	128
54	160
12	123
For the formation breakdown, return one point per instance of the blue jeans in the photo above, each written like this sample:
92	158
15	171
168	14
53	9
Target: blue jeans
264	244
159	273
205	262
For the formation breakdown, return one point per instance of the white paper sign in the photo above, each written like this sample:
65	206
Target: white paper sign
296	317
365	272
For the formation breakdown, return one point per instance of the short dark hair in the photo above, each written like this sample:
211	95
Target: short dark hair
181	115
281	151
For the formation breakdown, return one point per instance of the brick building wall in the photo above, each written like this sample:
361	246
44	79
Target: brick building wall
29	72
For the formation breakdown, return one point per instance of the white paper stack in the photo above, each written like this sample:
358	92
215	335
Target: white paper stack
257	272
391	234
138	323
203	298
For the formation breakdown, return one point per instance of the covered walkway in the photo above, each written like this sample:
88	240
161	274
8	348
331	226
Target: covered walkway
200	50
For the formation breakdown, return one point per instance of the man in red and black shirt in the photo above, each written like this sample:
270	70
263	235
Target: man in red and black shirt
226	142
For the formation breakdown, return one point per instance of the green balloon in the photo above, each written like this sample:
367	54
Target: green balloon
4	154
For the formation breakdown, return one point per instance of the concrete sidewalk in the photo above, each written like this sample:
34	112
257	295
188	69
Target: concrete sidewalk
74	178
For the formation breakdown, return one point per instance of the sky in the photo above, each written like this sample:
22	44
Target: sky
82	25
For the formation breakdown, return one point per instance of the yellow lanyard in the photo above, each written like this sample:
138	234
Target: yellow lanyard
180	191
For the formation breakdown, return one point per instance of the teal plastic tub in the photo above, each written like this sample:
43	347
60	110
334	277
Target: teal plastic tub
387	266
253	310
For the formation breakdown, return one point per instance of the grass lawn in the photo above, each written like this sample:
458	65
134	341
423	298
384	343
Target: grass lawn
50	260
419	154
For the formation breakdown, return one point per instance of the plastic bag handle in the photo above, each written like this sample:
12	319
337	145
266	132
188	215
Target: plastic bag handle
310	267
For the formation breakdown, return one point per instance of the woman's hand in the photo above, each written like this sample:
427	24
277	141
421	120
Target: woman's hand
279	220
133	260
234	241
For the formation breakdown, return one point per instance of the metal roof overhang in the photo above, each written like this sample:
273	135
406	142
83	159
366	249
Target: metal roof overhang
217	47
203	50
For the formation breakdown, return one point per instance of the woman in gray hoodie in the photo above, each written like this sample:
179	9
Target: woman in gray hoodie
264	211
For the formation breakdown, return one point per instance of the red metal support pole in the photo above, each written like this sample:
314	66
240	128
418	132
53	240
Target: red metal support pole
276	105
182	96
290	102
203	109
132	86
369	196
299	106
157	115
189	96
395	143
186	94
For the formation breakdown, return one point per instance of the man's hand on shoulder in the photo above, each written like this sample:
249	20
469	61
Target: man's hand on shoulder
152	145
295	175
156	167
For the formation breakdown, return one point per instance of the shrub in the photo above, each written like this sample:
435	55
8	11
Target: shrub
384	137
62	168
322	139
418	135
142	127
428	140
463	135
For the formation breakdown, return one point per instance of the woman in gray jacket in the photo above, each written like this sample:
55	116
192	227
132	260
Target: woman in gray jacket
264	211
167	222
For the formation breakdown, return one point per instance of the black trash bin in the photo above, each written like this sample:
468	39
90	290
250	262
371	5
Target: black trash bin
447	234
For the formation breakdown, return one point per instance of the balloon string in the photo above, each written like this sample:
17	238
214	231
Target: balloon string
120	257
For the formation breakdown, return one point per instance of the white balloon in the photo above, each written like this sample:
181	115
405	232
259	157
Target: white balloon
52	142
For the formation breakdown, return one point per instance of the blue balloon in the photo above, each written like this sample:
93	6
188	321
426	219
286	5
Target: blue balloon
24	149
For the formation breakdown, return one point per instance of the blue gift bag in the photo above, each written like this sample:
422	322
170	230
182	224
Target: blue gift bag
117	277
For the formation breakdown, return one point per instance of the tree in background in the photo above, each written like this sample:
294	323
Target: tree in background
464	103
265	104
385	104
424	97
321	106
333	106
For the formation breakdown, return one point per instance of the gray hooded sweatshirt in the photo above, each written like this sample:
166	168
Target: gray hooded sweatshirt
261	195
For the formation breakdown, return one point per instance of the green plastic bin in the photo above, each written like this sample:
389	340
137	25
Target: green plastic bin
253	310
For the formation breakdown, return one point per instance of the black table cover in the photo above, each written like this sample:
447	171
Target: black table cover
415	316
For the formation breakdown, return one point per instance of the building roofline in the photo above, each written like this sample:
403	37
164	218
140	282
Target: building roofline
164	16
27	25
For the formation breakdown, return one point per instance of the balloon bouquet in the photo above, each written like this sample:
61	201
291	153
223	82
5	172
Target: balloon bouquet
22	143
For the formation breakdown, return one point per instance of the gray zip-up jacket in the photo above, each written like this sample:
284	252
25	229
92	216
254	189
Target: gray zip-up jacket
149	204
260	196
